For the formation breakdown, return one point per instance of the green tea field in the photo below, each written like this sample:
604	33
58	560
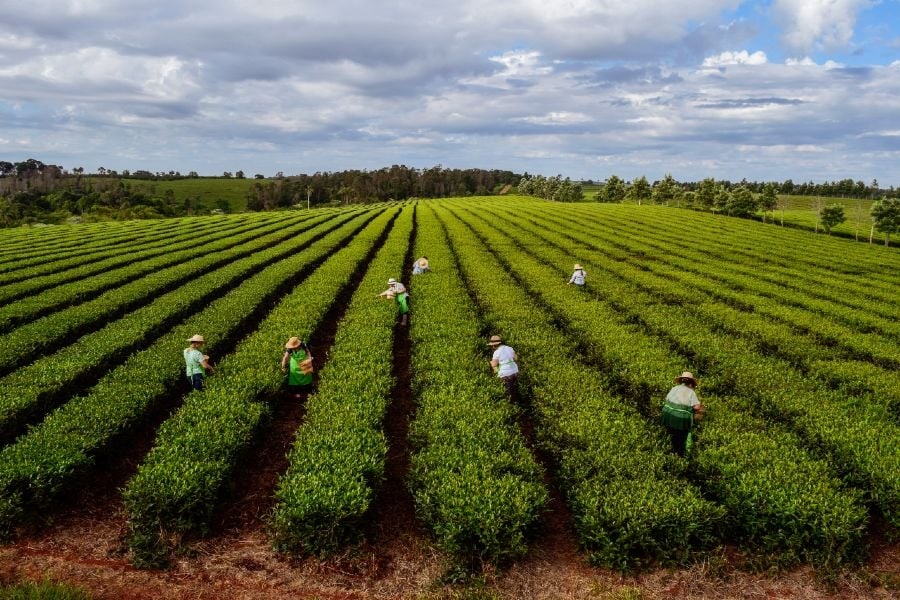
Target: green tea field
407	472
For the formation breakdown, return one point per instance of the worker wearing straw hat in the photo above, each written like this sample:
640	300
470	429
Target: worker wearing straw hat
420	266
297	364
397	291
680	411
503	363
578	276
197	363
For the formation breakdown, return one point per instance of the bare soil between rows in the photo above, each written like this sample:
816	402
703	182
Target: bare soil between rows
85	546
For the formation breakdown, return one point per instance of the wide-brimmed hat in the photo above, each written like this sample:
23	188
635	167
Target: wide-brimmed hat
292	343
578	267
196	338
686	375
423	261
391	280
495	340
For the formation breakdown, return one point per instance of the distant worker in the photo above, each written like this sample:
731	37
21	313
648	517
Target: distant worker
680	410
197	363
420	266
578	276
503	363
397	291
298	365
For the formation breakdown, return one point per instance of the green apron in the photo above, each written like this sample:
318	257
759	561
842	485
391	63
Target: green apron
295	375
401	303
680	418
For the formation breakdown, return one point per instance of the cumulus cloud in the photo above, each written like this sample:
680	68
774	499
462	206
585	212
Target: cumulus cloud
813	24
736	58
559	86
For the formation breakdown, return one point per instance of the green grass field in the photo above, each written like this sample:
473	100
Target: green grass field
208	191
802	212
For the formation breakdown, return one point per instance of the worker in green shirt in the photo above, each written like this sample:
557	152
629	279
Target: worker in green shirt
296	363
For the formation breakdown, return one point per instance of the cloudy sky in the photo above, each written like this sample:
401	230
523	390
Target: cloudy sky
806	89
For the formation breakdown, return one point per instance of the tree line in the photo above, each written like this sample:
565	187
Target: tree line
746	199
397	182
34	192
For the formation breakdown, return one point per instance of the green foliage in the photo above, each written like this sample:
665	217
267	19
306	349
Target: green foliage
886	215
626	502
667	191
614	190
45	590
738	466
639	191
832	215
740	203
336	463
26	392
475	484
43	463
177	488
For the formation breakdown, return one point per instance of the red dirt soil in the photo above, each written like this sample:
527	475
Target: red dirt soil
84	546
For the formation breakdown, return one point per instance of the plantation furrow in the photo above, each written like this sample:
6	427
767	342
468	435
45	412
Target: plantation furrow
337	461
179	485
628	506
27	393
88	253
744	459
70	286
42	464
806	321
756	251
861	439
392	516
475	484
710	263
25	343
51	240
752	240
768	338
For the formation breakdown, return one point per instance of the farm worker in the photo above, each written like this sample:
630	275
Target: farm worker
398	291
578	276
297	364
680	410
503	363
420	266
197	362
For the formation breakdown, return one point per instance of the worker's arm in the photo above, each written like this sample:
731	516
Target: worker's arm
205	364
284	362
699	411
494	364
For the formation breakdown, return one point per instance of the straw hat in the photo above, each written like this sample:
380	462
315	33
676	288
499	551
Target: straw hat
196	338
495	340
686	375
292	343
578	267
391	281
423	262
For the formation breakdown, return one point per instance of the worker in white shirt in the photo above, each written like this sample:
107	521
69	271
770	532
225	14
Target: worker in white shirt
503	363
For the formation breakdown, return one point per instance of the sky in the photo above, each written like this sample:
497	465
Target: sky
767	90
